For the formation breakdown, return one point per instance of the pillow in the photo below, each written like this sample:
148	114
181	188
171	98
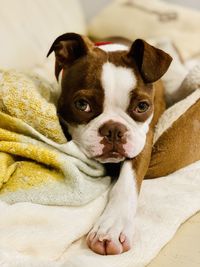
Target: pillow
150	19
28	28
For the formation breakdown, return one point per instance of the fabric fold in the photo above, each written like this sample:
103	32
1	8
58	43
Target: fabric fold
38	163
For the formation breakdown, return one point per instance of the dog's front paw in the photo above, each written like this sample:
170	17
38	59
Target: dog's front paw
111	235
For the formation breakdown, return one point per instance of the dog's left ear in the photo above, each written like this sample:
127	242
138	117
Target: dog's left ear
152	62
68	48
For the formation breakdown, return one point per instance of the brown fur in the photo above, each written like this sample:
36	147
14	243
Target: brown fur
177	147
141	162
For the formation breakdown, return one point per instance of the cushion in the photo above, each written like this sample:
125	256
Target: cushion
140	19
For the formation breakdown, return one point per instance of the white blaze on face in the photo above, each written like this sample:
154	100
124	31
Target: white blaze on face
117	83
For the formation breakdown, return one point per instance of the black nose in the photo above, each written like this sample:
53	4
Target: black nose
113	131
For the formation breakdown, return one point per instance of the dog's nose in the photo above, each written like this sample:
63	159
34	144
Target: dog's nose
113	131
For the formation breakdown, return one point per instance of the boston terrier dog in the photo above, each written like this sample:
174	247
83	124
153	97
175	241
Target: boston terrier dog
110	101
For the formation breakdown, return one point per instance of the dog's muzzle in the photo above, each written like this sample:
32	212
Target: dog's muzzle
114	137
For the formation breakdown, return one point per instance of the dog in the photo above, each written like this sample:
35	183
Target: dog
111	98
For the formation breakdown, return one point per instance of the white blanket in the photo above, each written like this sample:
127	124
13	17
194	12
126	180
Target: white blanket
42	236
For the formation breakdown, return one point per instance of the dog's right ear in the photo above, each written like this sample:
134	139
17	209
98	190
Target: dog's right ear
69	47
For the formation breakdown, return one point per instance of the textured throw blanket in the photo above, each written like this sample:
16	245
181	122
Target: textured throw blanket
33	235
37	163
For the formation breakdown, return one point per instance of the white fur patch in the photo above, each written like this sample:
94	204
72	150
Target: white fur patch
120	211
117	83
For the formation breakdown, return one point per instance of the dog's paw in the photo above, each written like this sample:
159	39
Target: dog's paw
111	235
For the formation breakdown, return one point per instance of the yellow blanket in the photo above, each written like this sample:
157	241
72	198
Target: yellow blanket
37	162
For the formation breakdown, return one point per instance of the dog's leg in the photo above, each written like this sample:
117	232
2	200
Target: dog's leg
113	233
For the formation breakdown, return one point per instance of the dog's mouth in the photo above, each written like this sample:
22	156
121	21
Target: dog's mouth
111	156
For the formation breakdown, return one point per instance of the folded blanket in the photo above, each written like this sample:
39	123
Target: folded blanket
37	163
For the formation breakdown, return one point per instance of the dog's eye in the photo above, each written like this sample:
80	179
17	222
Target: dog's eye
82	105
142	107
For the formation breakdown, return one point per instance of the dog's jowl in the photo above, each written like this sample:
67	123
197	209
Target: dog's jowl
110	102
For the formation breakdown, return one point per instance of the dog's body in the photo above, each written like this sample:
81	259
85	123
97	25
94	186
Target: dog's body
110	101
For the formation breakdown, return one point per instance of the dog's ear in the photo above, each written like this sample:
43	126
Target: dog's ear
69	47
152	62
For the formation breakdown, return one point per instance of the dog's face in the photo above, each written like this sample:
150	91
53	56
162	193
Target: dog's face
107	95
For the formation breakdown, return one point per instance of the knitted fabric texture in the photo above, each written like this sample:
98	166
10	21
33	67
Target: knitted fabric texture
37	163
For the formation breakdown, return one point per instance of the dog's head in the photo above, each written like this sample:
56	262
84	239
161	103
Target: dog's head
107	96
